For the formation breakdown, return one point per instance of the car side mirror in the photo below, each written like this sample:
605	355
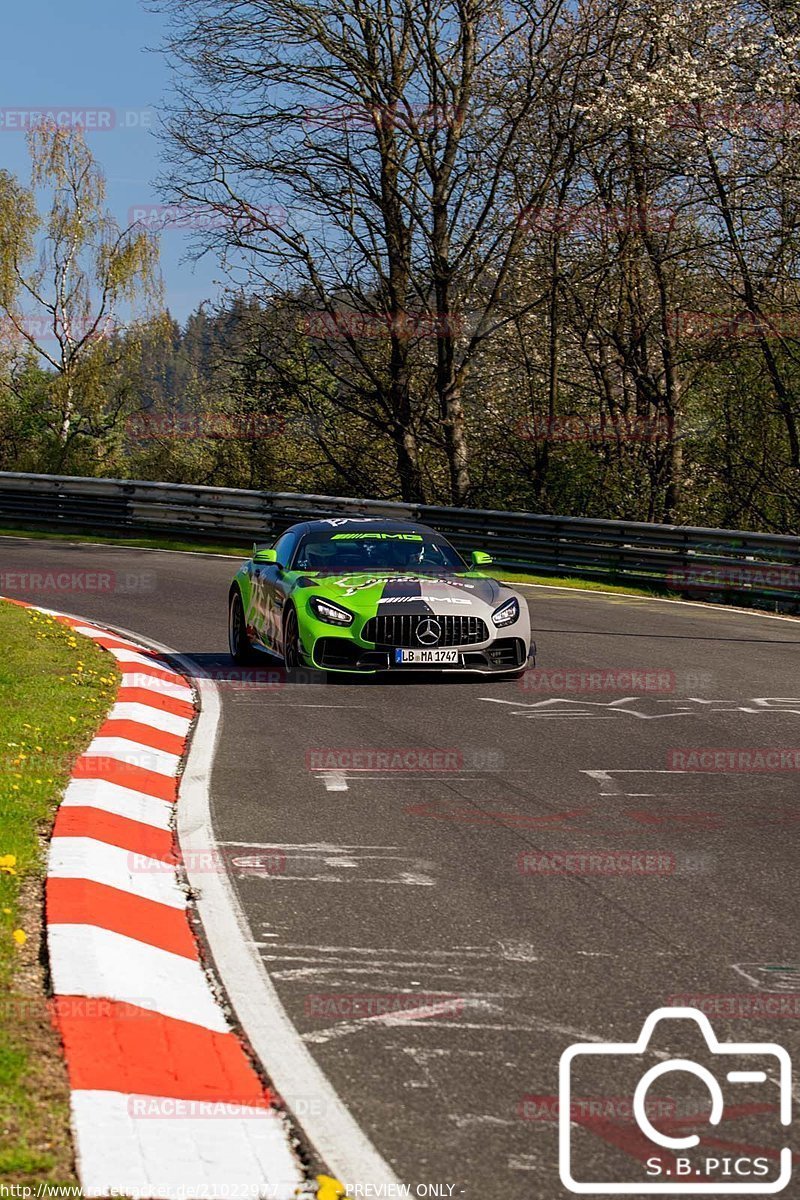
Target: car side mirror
265	556
479	558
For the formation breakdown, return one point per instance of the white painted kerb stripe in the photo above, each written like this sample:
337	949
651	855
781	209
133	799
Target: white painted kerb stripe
156	718
134	754
86	858
121	801
161	1158
93	632
133	656
88	961
165	687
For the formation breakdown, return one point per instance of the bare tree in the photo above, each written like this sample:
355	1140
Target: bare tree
387	130
73	269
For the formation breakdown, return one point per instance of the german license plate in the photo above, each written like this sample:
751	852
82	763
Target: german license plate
426	656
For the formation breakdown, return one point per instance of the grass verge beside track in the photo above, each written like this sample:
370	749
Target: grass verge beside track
55	689
586	585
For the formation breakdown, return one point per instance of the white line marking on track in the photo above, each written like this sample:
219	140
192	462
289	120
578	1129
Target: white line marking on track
335	781
86	960
329	1125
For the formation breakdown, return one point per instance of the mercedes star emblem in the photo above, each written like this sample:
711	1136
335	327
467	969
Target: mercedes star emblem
429	632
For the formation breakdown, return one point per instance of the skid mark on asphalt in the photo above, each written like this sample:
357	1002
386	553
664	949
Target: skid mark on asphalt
323	862
625	783
644	708
446	973
339	781
345	961
424	1013
771	977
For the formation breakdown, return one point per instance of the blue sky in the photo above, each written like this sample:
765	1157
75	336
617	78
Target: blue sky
92	56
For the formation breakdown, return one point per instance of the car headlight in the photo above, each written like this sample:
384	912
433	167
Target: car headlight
507	613
332	614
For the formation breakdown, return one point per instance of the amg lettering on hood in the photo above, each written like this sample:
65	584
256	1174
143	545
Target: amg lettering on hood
426	599
378	537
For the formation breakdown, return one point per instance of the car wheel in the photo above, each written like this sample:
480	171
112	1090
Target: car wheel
291	643
238	641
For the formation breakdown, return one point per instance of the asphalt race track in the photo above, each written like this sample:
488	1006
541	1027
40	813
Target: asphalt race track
376	883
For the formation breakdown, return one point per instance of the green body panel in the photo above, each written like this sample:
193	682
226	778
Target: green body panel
360	593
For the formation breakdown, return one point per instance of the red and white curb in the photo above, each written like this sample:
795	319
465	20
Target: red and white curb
165	1102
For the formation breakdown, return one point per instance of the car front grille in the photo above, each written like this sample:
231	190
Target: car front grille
400	629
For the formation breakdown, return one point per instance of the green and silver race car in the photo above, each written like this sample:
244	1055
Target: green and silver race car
367	595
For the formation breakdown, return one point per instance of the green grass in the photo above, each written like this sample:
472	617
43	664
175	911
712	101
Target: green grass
586	585
55	688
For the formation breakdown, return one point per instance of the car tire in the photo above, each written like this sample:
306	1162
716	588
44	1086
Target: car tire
291	645
238	641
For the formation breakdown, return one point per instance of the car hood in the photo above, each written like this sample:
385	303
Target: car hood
386	593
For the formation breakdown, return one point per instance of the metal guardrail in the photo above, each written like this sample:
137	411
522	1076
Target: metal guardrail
712	563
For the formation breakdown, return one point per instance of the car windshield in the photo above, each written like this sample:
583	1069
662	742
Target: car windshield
377	550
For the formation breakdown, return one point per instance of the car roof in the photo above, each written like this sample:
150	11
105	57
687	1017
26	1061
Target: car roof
351	524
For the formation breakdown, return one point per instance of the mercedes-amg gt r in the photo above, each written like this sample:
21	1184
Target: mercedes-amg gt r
368	595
